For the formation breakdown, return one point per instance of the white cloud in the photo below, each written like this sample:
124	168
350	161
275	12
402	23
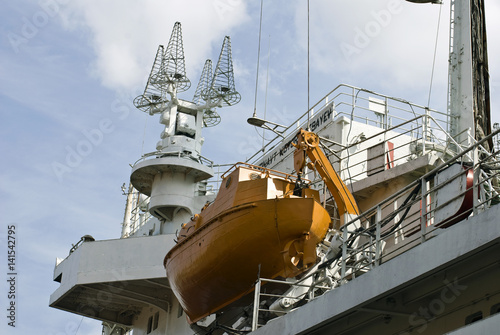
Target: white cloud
385	45
126	34
390	39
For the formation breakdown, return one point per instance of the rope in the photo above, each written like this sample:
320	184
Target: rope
308	71
435	52
267	84
144	136
258	61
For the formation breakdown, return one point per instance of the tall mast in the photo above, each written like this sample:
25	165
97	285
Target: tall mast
173	176
480	70
468	79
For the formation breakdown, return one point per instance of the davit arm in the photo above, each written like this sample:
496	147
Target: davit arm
308	145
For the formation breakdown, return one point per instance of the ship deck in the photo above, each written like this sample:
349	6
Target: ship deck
455	271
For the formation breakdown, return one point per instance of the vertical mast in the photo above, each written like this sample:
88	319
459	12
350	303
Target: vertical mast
481	82
468	79
173	176
460	73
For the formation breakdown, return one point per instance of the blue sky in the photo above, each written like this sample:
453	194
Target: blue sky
70	70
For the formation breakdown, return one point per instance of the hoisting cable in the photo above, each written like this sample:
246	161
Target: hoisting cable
267	84
308	72
144	136
434	59
258	61
257	77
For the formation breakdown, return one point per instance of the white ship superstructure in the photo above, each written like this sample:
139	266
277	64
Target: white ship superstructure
422	257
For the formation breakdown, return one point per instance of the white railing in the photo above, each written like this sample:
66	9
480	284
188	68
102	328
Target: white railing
139	214
386	231
414	129
367	107
419	212
180	154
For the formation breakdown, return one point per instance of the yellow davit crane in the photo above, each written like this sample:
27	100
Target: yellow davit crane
308	146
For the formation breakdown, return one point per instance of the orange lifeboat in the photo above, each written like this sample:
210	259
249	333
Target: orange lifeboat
255	227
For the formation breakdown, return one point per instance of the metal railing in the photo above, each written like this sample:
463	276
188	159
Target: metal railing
353	162
139	214
404	220
367	107
385	230
159	154
213	184
413	128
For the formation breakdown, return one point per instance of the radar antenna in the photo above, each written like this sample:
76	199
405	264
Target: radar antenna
152	100
178	152
210	116
168	75
222	90
173	67
181	117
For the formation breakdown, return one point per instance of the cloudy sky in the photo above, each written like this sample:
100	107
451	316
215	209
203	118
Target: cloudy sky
70	70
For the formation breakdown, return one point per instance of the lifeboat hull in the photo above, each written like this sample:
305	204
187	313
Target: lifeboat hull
221	261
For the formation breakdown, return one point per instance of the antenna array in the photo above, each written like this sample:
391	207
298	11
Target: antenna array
168	77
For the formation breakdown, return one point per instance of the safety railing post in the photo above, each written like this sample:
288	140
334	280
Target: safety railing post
344	253
378	219
425	125
423	211
475	180
256	303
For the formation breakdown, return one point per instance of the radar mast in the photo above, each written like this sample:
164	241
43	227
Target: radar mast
170	177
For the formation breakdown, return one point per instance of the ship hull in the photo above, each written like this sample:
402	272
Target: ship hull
222	260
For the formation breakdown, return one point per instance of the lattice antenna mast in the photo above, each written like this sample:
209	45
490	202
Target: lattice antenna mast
167	77
172	75
183	120
210	116
222	91
204	83
153	99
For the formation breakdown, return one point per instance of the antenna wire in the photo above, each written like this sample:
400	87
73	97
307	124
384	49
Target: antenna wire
258	61
434	59
308	71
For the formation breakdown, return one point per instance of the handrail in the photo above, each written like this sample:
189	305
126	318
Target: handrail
431	173
329	100
261	169
160	154
363	245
